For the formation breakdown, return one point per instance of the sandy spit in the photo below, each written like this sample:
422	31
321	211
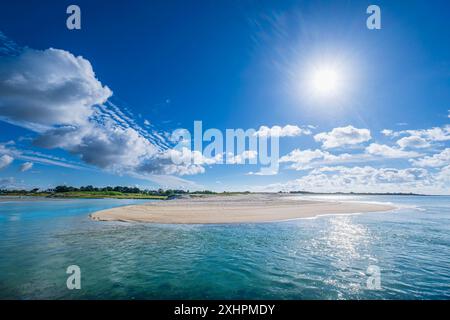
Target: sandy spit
233	209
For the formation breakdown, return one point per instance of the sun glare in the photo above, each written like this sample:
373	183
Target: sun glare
325	81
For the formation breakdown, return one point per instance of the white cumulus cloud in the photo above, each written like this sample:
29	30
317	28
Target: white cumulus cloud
40	89
436	160
387	132
241	158
413	142
286	131
342	136
5	161
308	159
389	152
302	158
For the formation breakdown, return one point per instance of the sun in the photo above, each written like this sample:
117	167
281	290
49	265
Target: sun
325	81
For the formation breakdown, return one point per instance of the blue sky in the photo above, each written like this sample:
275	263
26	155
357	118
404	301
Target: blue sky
150	67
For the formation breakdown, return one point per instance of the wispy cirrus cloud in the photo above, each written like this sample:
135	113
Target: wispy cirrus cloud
26	166
7	46
11	150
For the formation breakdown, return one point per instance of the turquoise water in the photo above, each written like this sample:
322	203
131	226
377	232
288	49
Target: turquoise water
321	258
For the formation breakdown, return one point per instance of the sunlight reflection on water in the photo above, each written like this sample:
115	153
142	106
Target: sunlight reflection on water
322	258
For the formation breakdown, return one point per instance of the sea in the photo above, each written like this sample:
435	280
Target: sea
400	254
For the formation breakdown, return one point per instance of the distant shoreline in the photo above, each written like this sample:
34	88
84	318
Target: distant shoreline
139	196
251	208
62	197
360	193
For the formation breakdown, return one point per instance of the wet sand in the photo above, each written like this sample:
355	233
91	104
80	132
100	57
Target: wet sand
247	208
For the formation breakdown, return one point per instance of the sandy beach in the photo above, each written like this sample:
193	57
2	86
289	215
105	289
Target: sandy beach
247	208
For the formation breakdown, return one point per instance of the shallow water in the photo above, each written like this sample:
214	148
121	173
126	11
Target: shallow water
322	258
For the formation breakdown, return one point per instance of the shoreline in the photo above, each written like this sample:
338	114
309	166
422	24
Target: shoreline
254	208
4	199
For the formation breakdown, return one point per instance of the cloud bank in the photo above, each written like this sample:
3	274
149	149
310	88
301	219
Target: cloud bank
366	179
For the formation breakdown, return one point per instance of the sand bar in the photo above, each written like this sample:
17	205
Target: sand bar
233	209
